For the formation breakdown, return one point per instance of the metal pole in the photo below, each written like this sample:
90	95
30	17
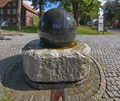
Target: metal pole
97	24
103	25
0	29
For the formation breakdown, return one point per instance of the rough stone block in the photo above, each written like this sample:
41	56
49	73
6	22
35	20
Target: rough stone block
56	65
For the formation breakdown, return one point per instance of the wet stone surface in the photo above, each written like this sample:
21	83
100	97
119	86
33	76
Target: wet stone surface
57	28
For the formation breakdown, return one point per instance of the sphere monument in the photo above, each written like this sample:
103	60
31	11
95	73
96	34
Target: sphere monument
57	28
56	58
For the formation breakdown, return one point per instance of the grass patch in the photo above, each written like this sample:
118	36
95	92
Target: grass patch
7	96
85	30
82	30
30	29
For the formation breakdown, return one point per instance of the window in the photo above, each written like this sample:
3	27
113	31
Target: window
9	4
14	11
14	4
1	21
1	11
14	20
8	11
8	20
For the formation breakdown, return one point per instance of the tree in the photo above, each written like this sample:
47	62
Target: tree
19	15
112	11
91	13
77	7
39	4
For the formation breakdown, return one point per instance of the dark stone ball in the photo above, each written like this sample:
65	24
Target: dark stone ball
57	28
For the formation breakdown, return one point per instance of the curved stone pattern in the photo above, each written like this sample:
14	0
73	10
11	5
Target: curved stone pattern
57	27
56	65
87	90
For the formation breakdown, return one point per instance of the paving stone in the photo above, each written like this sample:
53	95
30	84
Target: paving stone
115	87
110	88
103	100
105	49
110	94
105	95
116	99
116	93
110	99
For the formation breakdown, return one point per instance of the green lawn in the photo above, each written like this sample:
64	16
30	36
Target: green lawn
30	29
82	30
6	94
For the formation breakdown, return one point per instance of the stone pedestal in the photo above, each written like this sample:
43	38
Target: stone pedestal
56	65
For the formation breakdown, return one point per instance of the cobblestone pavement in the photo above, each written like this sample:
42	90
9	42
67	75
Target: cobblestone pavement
105	49
115	31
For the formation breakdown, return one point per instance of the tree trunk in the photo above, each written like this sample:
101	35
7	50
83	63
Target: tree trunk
40	8
19	15
77	19
75	12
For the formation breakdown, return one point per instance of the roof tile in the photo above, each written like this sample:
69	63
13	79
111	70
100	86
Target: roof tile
29	8
4	2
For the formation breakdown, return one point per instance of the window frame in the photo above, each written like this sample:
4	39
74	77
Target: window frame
14	11
14	4
1	11
8	11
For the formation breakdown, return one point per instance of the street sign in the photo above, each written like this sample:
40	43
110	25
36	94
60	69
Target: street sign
101	23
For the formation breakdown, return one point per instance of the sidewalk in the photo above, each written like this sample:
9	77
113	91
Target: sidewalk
115	31
104	48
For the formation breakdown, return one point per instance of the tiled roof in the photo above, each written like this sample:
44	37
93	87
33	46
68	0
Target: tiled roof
4	2
29	8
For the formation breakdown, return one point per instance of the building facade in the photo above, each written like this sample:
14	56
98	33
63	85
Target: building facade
8	13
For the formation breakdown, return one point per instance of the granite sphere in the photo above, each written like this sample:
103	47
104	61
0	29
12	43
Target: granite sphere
57	28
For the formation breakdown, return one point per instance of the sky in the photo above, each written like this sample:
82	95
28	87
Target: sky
103	1
54	5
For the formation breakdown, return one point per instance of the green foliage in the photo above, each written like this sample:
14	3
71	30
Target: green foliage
5	99
82	8
35	20
77	7
30	29
38	3
9	28
85	30
70	5
90	13
82	30
112	11
7	96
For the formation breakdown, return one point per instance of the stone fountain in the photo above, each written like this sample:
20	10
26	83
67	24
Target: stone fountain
56	60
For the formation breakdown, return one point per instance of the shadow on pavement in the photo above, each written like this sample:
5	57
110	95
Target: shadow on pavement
11	73
12	34
3	38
